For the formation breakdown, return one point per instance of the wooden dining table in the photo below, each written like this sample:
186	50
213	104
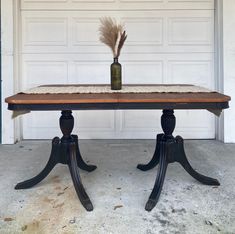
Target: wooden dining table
168	149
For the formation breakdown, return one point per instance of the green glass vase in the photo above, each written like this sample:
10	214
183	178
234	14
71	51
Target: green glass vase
116	75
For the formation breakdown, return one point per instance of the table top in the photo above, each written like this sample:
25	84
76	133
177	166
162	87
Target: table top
82	101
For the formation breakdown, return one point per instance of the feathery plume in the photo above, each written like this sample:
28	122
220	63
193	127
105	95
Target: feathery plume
112	34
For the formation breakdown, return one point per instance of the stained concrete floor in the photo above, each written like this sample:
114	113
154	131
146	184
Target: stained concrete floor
118	191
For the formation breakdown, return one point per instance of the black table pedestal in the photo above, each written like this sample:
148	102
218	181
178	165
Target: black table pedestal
65	151
169	149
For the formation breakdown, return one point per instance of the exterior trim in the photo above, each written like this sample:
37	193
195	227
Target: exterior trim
0	74
219	64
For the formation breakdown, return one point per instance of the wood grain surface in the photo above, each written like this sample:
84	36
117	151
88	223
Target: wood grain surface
118	98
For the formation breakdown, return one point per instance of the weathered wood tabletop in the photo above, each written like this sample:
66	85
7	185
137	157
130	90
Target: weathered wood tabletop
204	100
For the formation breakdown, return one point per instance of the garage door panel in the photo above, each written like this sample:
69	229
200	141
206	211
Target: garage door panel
191	72
125	128
148	32
200	123
135	121
45	31
116	4
197	71
38	125
84	31
190	31
142	72
104	121
193	124
39	72
166	4
137	124
97	71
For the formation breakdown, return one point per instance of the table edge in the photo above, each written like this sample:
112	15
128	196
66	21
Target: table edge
118	106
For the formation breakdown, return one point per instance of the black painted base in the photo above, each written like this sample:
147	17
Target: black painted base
169	149
65	151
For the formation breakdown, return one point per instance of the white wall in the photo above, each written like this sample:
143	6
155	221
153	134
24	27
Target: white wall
7	69
8	134
229	67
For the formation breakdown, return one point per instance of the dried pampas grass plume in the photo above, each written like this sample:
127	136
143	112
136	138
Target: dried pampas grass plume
112	34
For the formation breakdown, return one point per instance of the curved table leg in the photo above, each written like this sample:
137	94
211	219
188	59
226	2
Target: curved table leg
81	163
49	166
155	159
153	198
182	159
82	195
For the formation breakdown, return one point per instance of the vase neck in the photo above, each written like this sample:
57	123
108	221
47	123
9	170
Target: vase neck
115	60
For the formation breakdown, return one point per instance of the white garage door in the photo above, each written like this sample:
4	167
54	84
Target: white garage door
169	41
